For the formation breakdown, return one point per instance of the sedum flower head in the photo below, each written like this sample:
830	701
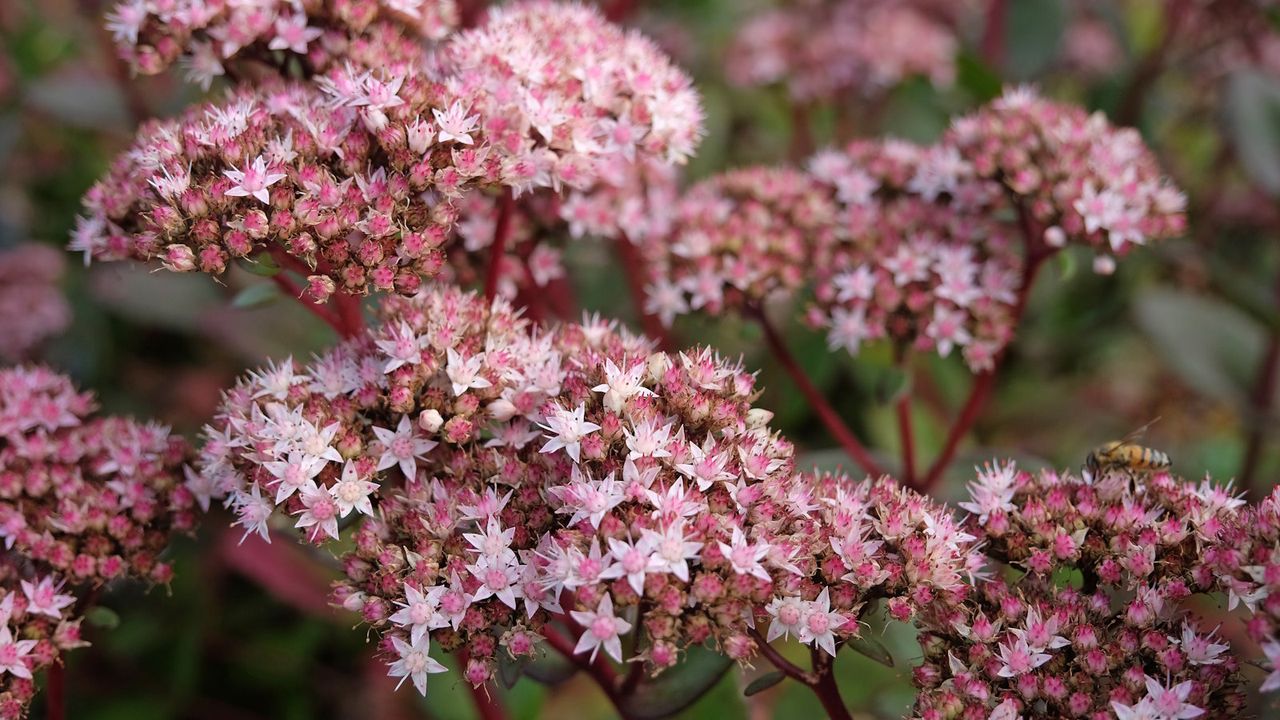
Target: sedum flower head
38	622
567	474
32	307
84	500
208	36
916	256
821	49
351	181
93	498
1079	179
738	239
1086	616
562	92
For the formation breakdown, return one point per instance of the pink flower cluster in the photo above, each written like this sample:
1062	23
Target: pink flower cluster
1077	178
932	247
520	483
821	49
1245	558
352	185
32	307
37	624
930	268
84	500
207	35
738	240
93	498
565	95
1087	616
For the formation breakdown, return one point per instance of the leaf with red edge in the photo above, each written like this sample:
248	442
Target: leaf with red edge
283	569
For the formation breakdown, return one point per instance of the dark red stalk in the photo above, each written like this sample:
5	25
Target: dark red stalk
1264	392
1035	255
55	691
993	35
498	248
825	688
632	265
618	10
342	312
830	418
350	310
907	440
290	288
1150	67
600	671
801	133
487	706
821	680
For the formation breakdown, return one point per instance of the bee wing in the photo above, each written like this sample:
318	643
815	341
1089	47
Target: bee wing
1138	433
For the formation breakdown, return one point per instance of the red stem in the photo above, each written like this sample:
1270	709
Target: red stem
826	689
290	288
618	10
55	691
1035	255
487	707
993	35
821	680
1264	391
632	264
351	312
801	133
1150	67
600	670
785	666
830	418
342	312
907	440
498	248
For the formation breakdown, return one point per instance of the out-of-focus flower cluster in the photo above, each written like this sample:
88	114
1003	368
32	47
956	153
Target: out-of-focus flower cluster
822	48
84	500
1086	617
208	35
353	183
1077	178
918	244
928	265
738	240
564	95
514	477
32	307
94	498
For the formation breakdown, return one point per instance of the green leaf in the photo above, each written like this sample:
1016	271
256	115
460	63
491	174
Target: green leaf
549	669
510	669
974	76
677	688
1214	347
891	384
1068	264
1033	32
1253	119
102	617
262	264
256	296
764	682
872	648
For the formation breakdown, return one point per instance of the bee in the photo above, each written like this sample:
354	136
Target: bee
1125	454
